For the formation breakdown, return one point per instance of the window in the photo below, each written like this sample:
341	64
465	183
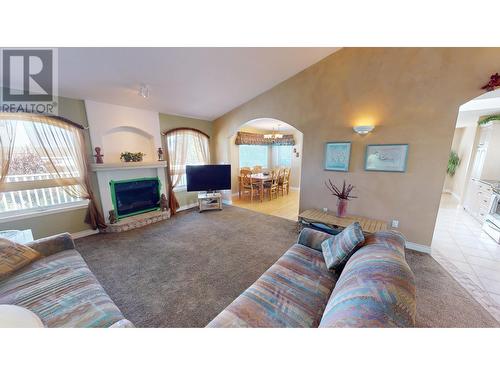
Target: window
186	147
34	181
284	156
252	155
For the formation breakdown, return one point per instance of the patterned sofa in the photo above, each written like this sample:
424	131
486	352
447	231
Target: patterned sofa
376	288
61	289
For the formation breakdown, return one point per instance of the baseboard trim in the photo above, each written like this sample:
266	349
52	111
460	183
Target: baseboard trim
294	188
84	233
418	247
448	191
187	207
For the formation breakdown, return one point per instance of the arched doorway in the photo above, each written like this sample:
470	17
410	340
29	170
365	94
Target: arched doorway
466	238
266	145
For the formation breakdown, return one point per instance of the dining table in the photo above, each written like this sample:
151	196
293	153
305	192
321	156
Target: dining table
261	178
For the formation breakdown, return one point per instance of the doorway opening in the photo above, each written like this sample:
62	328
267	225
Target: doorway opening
466	237
272	151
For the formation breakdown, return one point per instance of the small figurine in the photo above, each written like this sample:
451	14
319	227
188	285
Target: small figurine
98	156
112	217
160	154
163	203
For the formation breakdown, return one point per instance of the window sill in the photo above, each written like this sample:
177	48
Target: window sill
42	211
179	189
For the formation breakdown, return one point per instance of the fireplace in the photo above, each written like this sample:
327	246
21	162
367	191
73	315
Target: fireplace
132	197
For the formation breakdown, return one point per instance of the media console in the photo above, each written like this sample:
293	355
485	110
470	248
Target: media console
209	201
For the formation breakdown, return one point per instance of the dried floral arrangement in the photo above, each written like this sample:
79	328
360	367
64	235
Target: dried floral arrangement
345	193
131	156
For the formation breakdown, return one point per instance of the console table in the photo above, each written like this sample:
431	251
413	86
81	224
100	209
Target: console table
316	216
210	201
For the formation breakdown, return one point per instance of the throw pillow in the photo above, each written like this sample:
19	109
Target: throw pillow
338	249
14	256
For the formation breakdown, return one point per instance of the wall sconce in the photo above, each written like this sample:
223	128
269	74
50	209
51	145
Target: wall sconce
363	129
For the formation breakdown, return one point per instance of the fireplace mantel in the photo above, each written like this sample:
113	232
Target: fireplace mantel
130	165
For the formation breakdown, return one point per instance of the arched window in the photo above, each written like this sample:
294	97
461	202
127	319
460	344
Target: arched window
43	165
184	146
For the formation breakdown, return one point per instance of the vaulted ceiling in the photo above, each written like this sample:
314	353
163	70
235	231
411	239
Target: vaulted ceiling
202	83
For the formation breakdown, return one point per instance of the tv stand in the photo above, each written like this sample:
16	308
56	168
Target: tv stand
209	201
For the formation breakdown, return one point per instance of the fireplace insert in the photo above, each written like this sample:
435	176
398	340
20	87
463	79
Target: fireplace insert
132	197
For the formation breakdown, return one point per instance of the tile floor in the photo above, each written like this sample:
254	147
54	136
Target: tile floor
469	254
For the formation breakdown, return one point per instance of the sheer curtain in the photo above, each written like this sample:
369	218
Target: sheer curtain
62	145
179	143
7	139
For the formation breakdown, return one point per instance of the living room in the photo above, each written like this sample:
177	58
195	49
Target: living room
191	187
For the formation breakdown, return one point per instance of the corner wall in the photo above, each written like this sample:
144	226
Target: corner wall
412	95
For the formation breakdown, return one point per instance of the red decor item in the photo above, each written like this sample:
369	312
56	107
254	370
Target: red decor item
343	195
342	207
493	83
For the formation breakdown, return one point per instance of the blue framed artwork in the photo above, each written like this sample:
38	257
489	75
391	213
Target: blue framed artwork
337	155
386	158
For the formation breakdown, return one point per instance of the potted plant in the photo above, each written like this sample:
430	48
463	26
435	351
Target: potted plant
343	196
131	156
453	163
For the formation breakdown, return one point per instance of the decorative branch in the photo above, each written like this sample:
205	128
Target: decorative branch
493	83
345	193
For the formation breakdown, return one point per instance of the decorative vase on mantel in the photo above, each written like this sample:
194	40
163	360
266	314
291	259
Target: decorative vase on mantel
342	207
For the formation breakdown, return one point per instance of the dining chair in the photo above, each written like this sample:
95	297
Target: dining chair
284	182
242	169
271	186
247	185
257	169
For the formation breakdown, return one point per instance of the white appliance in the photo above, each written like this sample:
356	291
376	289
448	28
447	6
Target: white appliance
492	222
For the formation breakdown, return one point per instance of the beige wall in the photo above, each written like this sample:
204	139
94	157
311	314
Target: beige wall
68	221
412	95
168	122
463	143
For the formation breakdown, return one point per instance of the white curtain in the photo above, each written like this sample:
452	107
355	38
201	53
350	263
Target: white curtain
61	145
179	143
7	139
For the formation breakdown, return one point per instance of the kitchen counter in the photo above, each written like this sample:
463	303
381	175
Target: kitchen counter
495	184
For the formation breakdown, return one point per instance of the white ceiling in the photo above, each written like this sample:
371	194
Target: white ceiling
484	105
202	83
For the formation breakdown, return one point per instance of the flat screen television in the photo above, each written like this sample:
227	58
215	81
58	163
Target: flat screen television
208	177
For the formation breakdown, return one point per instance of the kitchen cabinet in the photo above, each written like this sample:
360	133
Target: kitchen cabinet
478	199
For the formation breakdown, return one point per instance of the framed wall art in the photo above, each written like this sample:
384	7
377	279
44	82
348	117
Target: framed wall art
337	155
386	158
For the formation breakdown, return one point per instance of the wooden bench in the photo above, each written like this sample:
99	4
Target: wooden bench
316	216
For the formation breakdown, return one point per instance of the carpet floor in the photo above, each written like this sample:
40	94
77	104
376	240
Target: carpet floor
182	272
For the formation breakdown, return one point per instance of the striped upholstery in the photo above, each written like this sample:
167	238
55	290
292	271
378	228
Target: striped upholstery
338	249
62	291
312	238
376	287
292	293
14	256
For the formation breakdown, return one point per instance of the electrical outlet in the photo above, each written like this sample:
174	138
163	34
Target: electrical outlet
395	223
325	209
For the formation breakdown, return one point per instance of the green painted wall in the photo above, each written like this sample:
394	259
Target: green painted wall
67	221
168	122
